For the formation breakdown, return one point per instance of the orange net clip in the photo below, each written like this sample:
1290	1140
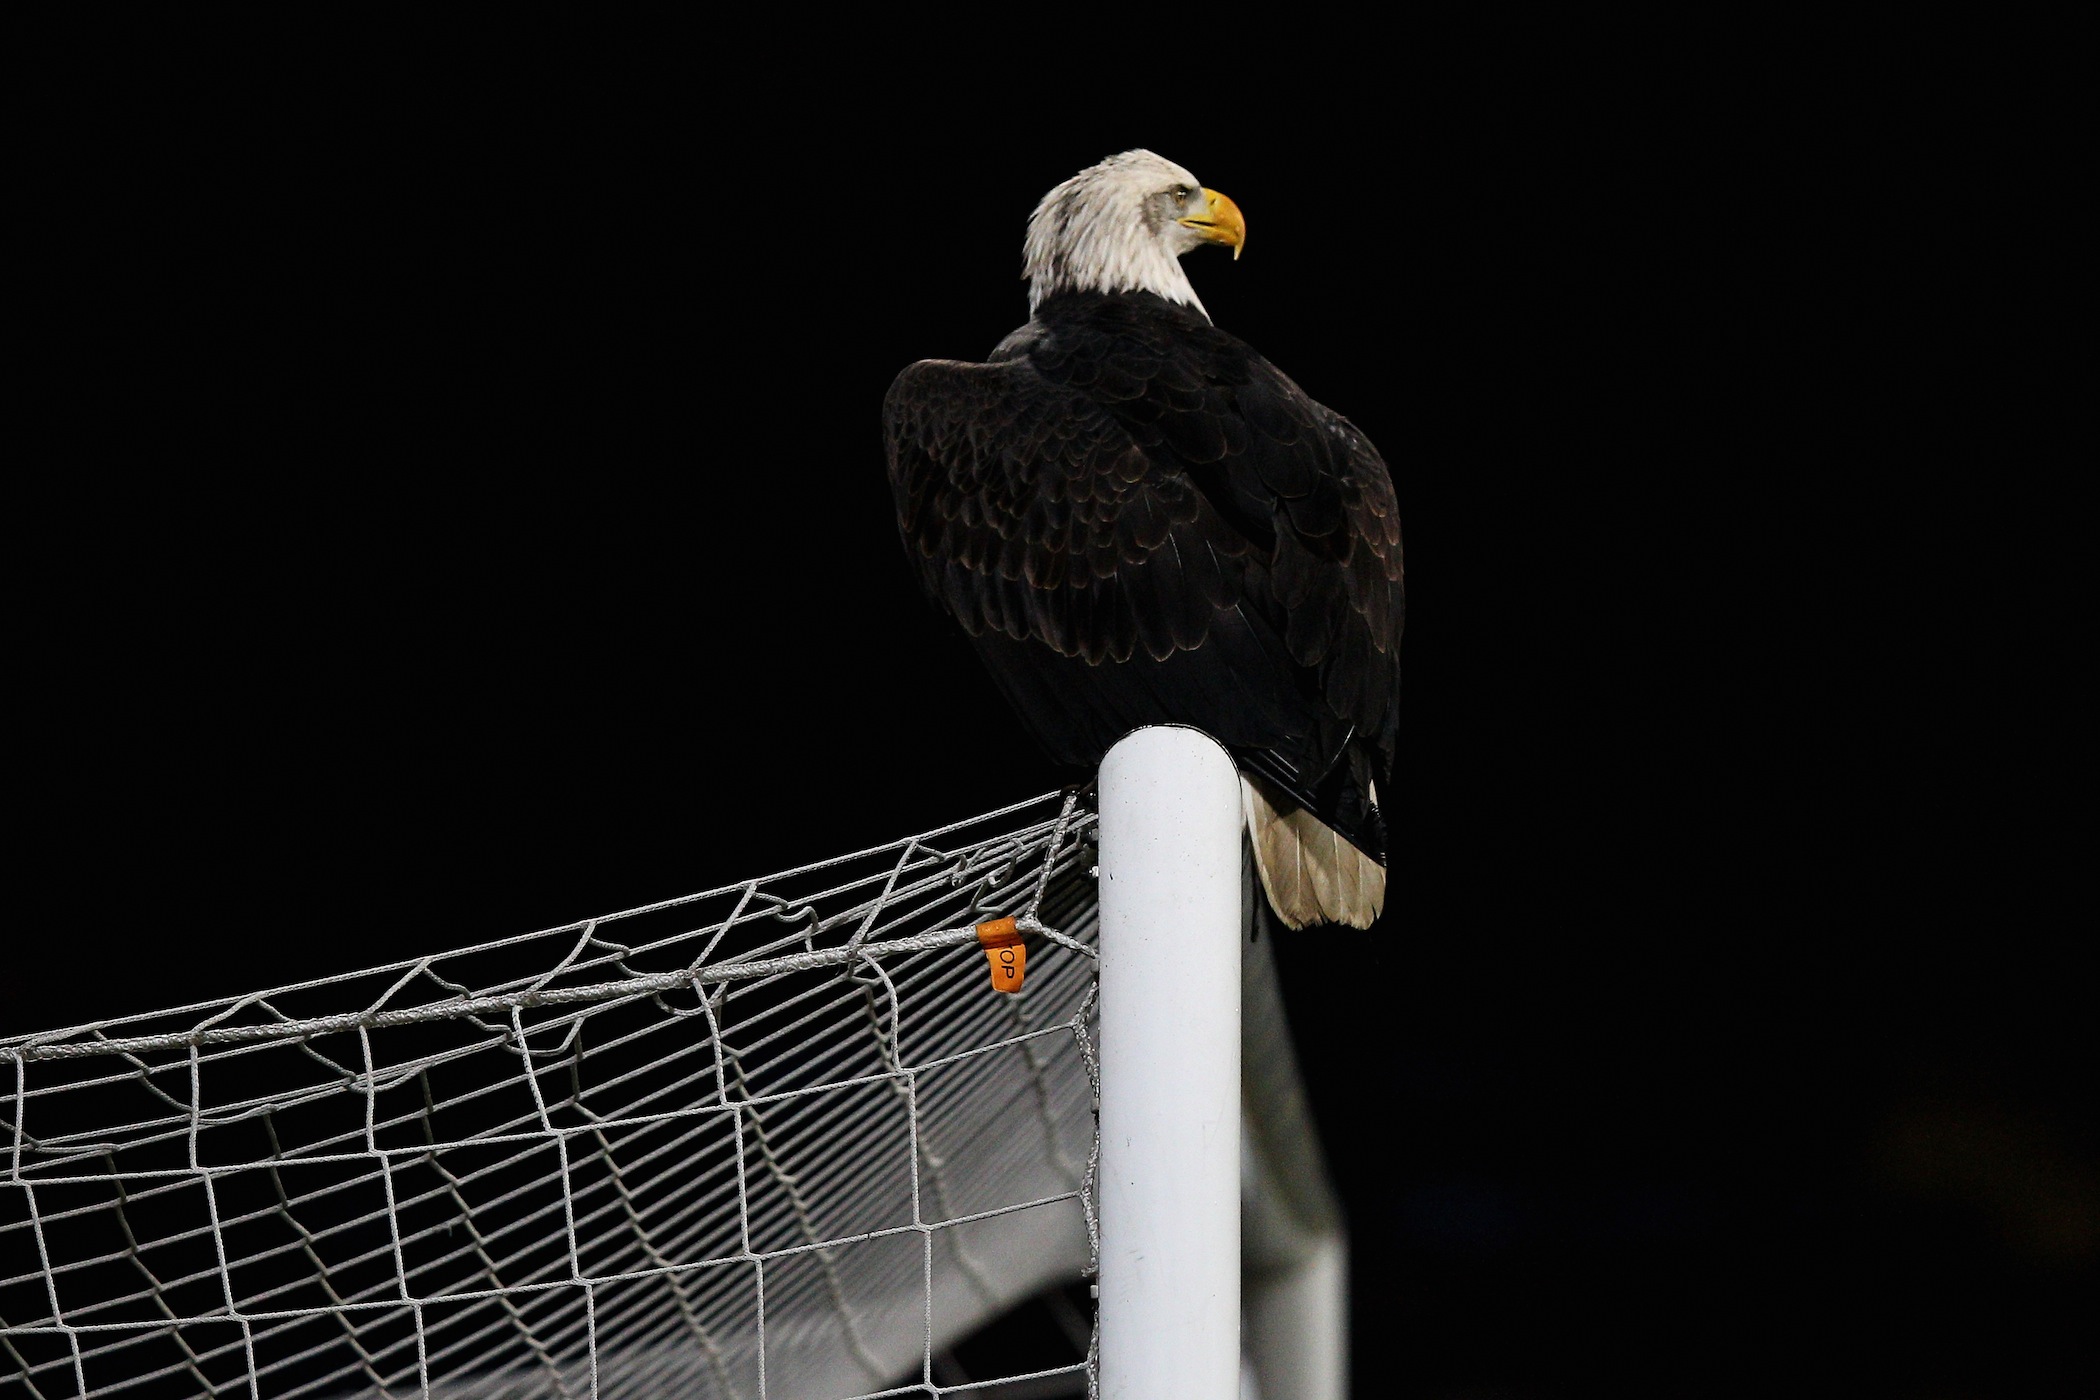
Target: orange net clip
1001	941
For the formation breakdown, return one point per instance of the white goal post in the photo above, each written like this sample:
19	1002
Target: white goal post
798	1138
1221	1247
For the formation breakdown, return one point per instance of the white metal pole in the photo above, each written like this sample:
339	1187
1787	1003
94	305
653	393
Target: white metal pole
1298	1324
1294	1251
1170	1068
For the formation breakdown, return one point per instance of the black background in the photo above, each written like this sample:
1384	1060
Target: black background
462	510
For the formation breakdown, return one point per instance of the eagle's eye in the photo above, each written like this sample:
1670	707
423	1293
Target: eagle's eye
1181	193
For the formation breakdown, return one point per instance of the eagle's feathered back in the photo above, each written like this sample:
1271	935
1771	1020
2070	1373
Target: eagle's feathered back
1139	520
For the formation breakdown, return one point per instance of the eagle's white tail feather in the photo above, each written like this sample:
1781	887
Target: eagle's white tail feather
1278	862
1308	870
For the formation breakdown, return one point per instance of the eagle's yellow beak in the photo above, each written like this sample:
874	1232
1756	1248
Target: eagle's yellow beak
1221	223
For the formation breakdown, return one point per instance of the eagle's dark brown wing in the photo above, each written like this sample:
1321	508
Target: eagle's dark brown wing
1139	521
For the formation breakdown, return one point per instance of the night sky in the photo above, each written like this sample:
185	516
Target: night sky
468	514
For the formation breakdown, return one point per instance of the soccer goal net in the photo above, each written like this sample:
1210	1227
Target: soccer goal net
783	1140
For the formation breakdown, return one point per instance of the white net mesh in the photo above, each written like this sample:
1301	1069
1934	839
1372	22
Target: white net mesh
776	1140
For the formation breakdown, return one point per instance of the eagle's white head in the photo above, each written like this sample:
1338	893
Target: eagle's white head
1122	226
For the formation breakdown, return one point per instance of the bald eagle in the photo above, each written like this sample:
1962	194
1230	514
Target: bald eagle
1139	520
